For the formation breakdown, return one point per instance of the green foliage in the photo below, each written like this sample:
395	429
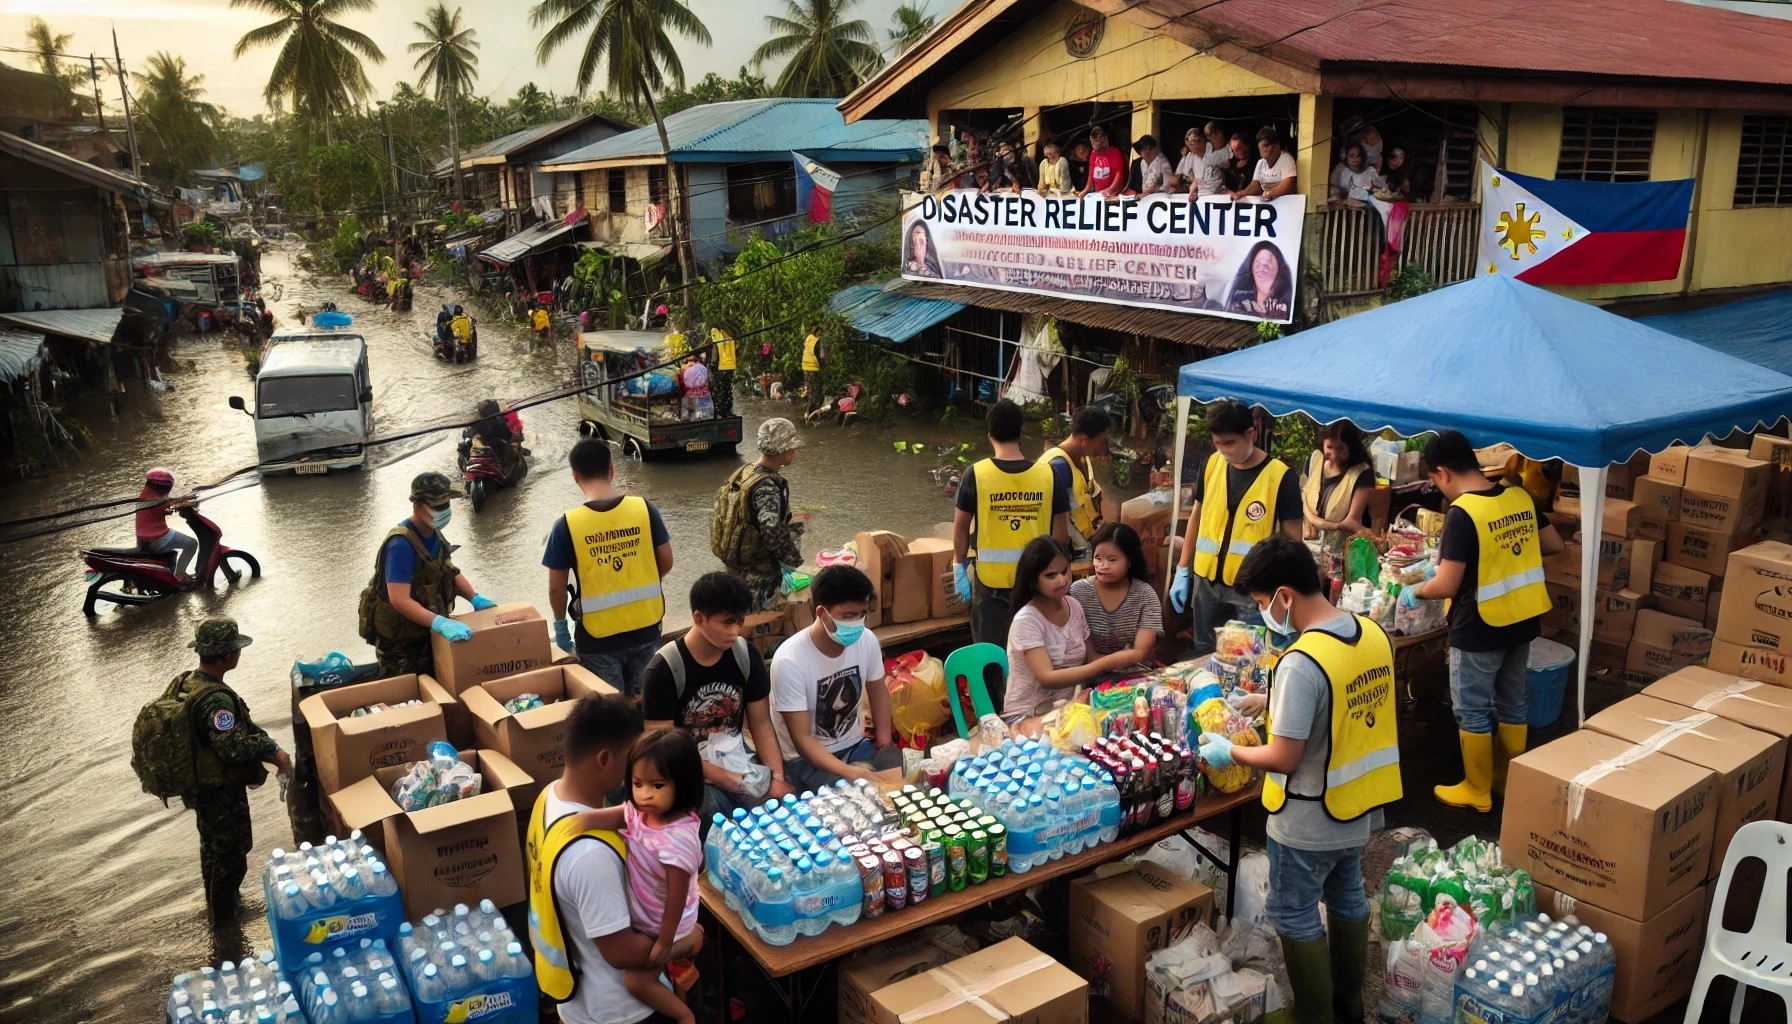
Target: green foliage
824	54
348	245
1411	279
177	126
1267	331
1293	438
630	39
317	71
199	233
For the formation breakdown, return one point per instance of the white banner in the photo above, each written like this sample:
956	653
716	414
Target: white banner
1213	256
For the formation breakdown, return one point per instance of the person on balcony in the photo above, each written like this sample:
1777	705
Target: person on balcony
938	174
1399	174
1236	171
1354	180
1200	173
1151	171
1274	176
1373	144
1107	167
1013	170
1054	172
1079	166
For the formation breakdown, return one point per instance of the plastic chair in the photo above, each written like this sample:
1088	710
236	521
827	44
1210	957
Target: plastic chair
1761	957
970	663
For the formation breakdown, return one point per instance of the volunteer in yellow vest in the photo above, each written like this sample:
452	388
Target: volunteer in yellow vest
414	584
813	356
1242	498
1336	490
616	550
578	881
721	386
1333	760
1490	564
1010	499
1071	463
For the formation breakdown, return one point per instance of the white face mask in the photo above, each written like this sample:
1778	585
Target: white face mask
441	519
1286	626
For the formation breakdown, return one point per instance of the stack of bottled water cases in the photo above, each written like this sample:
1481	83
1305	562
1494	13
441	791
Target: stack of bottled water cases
335	894
1050	805
1536	971
784	866
354	985
467	965
255	991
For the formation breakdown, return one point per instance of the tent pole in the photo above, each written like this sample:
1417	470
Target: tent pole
1182	408
1592	513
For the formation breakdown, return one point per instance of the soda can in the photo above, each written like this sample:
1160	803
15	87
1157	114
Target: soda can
998	849
986	820
977	857
871	873
858	850
895	882
915	862
936	867
956	867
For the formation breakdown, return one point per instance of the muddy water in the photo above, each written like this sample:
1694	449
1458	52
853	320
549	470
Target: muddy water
100	899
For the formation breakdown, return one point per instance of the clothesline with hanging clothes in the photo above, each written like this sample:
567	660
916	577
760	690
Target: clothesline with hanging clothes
1011	341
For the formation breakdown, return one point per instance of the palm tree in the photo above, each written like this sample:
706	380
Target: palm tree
48	46
449	65
319	65
911	25
827	56
181	125
630	38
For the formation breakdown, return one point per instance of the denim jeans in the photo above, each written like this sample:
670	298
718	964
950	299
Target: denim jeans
1299	878
1489	686
623	669
1217	604
801	775
173	540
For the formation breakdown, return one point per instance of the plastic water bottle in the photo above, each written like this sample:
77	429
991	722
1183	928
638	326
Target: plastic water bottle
775	912
1593	1000
847	890
712	851
515	964
429	985
1054	824
808	897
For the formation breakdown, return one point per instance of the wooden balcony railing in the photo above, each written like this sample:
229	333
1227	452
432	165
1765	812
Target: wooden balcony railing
1439	237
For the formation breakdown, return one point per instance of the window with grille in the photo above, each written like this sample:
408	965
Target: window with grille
618	190
1764	165
1606	145
656	184
578	190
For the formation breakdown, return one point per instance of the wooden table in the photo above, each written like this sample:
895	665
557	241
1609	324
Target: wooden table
784	964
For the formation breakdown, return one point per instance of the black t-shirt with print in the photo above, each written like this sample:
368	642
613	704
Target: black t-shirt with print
715	696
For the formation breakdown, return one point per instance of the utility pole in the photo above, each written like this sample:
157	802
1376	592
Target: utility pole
93	75
130	126
391	158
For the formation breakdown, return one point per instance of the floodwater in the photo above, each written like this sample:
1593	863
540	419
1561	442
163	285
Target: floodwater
100	901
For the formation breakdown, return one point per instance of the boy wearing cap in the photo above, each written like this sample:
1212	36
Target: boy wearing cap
414	584
753	532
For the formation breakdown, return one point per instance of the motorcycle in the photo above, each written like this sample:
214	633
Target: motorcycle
485	471
452	349
139	577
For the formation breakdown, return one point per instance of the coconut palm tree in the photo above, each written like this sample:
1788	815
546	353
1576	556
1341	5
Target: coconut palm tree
318	71
828	56
631	39
911	25
179	125
449	65
47	46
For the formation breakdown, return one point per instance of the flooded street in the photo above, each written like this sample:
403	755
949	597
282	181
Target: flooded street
102	897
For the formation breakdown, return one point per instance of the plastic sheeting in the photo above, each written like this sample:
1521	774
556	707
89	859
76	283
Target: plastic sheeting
1758	329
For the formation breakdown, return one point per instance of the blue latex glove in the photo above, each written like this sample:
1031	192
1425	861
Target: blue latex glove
1430	569
1179	589
481	603
1216	750
563	635
453	631
1409	598
961	582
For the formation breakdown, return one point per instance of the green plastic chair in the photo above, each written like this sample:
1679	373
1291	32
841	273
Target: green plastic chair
970	663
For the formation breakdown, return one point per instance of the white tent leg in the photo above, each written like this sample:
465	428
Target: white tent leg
1182	407
1592	514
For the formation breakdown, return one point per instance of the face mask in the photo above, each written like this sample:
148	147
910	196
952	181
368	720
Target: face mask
442	518
846	633
1284	627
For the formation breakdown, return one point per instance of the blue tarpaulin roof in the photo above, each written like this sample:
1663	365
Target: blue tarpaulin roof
889	314
1503	361
1758	329
763	129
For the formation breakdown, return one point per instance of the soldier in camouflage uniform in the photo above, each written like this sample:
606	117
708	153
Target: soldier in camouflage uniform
753	532
231	754
414	584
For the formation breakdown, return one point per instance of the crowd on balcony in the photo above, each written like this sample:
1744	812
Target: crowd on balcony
1369	166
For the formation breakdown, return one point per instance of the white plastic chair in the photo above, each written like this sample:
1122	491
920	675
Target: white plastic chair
1761	957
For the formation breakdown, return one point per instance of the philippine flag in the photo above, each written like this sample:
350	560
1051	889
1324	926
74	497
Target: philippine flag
1543	231
815	187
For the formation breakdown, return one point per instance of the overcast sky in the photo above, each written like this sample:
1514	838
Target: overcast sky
205	31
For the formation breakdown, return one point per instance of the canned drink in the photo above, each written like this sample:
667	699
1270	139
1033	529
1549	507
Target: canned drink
956	867
857	851
977	857
936	867
966	806
895	882
915	863
986	820
998	849
871	873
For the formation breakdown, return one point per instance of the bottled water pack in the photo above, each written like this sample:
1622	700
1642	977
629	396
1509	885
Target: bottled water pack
1537	971
334	894
253	991
466	964
1051	804
354	985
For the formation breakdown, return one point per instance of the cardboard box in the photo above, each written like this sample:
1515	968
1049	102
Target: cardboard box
461	852
1009	981
1614	614
1670	466
1599	819
349	749
1757	606
1729	472
533	739
1152	520
1720	513
1776	451
1563	567
1672	633
1118	921
879	551
1564	610
766	630
1619	480
1750	765
1680	591
1657	501
1760	706
1706	550
1750	662
1658	958
1645	663
911	588
878	967
942	601
1627	563
1618	517
507	639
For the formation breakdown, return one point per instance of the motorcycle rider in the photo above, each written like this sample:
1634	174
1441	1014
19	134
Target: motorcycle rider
153	533
414	584
493	432
461	327
444	333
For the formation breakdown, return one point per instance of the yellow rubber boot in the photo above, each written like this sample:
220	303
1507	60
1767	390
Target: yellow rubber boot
1476	791
1510	745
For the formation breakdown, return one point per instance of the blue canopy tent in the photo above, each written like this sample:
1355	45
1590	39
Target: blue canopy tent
1503	361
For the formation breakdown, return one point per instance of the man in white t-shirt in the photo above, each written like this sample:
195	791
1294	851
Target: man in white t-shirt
821	679
1200	169
590	882
1275	173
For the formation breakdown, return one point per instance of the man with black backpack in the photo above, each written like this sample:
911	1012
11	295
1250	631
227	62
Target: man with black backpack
198	742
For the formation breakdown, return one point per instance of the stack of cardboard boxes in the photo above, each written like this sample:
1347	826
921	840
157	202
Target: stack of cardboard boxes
1754	618
1630	545
913	581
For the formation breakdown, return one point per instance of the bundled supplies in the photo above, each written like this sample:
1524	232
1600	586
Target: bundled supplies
443	778
1217	718
254	989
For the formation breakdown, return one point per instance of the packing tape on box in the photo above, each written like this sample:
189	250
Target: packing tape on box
972	991
1736	688
1577	786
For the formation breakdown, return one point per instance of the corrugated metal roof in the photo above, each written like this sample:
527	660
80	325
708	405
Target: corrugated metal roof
21	352
80	170
519	140
87	324
741	130
882	312
1211	332
525	241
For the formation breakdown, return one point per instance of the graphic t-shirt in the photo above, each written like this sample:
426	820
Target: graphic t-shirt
715	696
1106	166
832	690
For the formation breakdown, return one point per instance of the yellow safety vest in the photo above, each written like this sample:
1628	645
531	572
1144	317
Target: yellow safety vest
462	327
724	349
1012	509
1362	768
1509	576
619	579
1085	493
811	354
543	845
1239	533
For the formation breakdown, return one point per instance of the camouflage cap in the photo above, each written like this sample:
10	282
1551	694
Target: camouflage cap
433	488
777	436
217	637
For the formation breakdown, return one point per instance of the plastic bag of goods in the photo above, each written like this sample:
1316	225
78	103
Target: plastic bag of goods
1444	936
443	778
1402	983
1423	617
1217	718
1074	728
1110	701
917	696
524	702
1403	898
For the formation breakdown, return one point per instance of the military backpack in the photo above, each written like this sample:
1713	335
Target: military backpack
164	749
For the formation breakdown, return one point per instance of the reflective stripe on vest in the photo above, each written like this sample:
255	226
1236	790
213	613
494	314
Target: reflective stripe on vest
1362	770
619	578
1239	533
1509	571
1085	494
555	973
1022	510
